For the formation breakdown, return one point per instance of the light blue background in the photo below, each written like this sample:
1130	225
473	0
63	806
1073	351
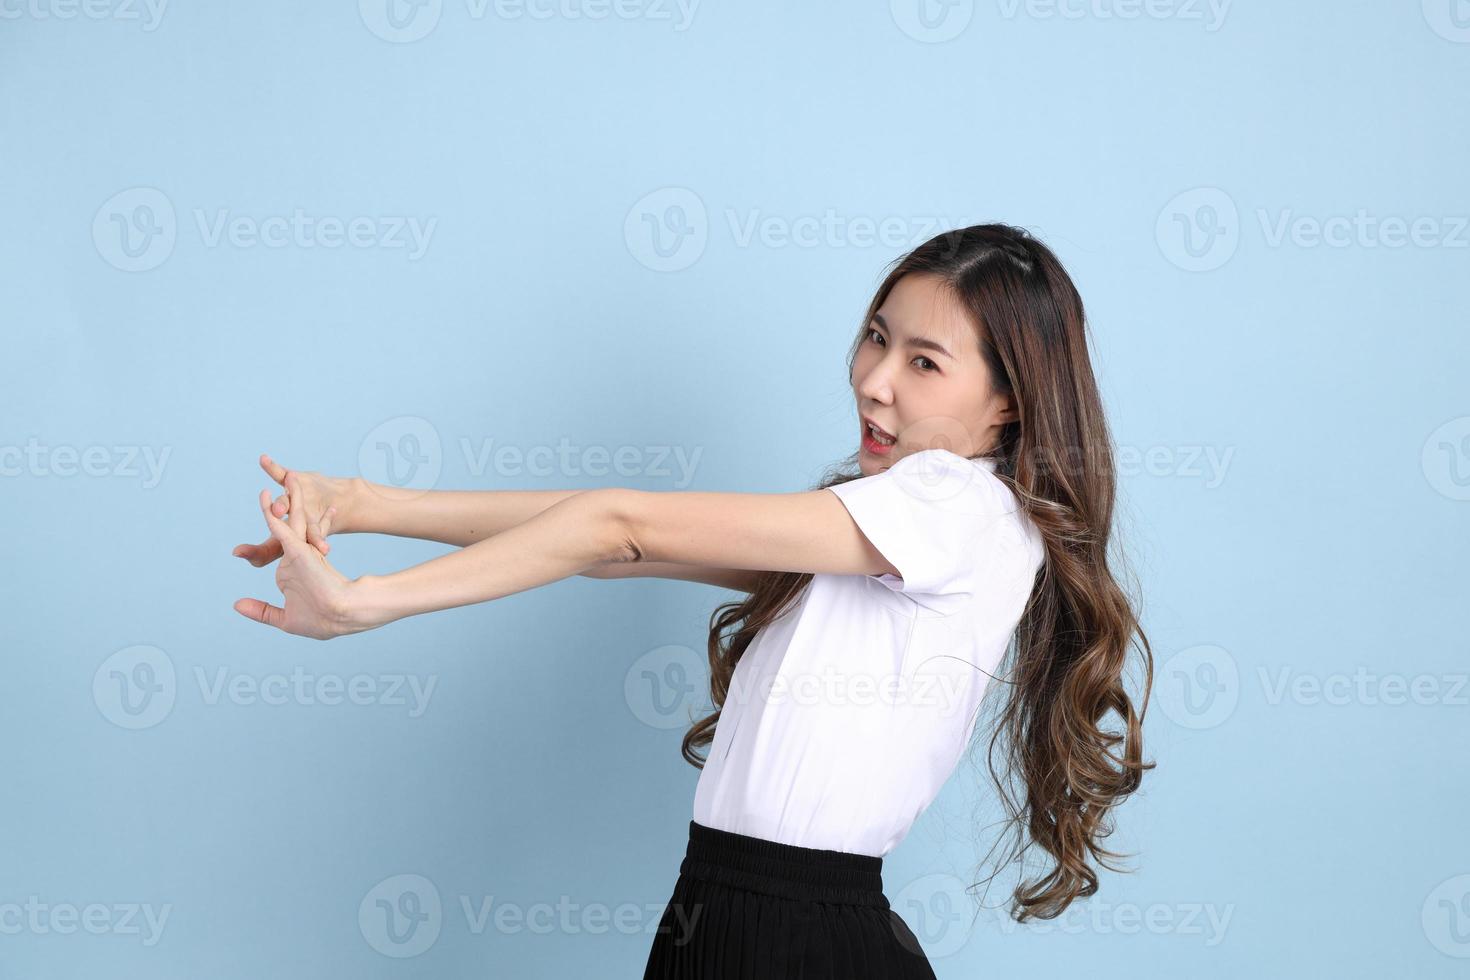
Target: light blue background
1328	380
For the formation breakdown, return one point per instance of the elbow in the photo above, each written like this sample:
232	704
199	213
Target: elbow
619	511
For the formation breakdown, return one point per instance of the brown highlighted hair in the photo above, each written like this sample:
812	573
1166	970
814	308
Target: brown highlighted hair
1065	664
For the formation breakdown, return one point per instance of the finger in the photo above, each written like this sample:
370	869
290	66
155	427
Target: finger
261	612
296	504
288	536
281	506
276	470
326	527
317	531
259	554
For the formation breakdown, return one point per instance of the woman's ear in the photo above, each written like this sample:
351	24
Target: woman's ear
1006	411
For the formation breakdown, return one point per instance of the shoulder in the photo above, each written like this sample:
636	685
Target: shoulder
961	485
956	482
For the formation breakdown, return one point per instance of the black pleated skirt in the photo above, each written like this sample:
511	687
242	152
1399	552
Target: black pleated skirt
744	907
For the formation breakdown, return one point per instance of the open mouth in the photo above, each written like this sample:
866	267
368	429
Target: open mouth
877	440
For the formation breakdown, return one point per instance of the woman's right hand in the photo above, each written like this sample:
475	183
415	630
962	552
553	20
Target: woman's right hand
323	501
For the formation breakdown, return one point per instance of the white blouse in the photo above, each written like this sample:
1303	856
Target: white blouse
847	713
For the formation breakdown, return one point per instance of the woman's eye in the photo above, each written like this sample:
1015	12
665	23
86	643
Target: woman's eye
876	337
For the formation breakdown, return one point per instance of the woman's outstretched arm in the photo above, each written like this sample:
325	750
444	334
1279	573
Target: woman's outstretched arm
574	534
809	531
455	517
463	517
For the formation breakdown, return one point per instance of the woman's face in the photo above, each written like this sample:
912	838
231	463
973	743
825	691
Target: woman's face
919	376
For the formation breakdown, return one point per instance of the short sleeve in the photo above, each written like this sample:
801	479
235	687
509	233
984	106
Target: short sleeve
938	517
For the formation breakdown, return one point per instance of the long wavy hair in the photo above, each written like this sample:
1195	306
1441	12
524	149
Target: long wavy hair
1067	656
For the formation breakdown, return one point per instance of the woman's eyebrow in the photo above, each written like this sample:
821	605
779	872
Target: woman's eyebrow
923	343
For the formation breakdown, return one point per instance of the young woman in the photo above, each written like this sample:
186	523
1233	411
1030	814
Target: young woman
973	519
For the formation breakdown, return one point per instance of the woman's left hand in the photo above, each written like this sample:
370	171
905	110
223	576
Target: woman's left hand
317	596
